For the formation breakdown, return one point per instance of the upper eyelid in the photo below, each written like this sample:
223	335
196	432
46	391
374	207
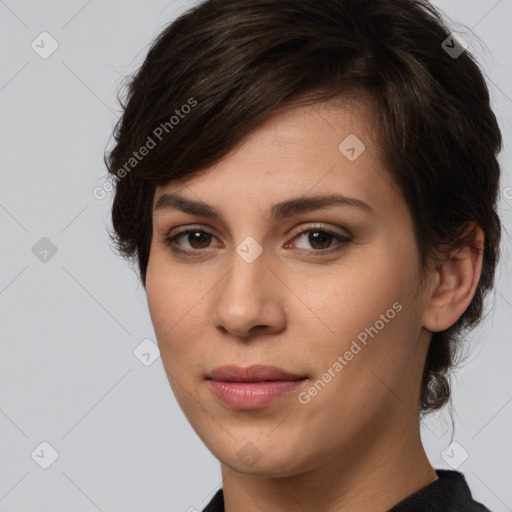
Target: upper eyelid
296	232
321	227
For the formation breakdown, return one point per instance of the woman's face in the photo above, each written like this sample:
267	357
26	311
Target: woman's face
328	294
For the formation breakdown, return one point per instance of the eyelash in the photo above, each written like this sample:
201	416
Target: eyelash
343	241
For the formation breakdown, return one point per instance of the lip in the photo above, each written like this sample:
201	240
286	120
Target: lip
253	373
254	387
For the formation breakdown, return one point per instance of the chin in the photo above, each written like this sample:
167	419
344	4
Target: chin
261	457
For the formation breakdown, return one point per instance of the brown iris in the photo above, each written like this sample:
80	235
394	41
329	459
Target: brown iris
201	238
319	237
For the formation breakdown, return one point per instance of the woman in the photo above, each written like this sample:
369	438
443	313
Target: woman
309	189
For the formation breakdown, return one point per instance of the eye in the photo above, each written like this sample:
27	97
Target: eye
321	239
198	239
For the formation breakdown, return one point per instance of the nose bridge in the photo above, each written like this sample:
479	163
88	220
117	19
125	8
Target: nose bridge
247	295
245	282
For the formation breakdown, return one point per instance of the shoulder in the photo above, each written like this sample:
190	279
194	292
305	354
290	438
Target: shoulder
450	493
216	504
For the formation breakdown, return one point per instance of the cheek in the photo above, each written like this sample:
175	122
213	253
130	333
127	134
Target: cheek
363	308
355	293
174	310
177	308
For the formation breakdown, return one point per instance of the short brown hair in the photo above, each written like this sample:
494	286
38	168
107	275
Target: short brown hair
236	62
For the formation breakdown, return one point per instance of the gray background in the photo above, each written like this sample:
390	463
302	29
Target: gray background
70	324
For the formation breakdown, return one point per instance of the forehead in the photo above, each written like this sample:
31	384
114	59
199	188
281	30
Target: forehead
305	118
317	148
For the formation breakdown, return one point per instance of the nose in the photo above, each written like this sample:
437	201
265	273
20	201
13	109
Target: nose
250	299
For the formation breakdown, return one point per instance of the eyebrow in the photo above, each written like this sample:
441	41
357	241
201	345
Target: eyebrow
278	211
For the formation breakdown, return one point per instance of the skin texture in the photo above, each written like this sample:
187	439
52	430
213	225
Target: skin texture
356	444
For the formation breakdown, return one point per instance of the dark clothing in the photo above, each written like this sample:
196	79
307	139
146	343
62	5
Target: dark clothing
450	493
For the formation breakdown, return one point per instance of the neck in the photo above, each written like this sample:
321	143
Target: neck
377	471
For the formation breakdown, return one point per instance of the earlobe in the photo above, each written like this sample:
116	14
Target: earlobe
455	283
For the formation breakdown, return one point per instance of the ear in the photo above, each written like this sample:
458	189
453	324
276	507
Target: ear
455	282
